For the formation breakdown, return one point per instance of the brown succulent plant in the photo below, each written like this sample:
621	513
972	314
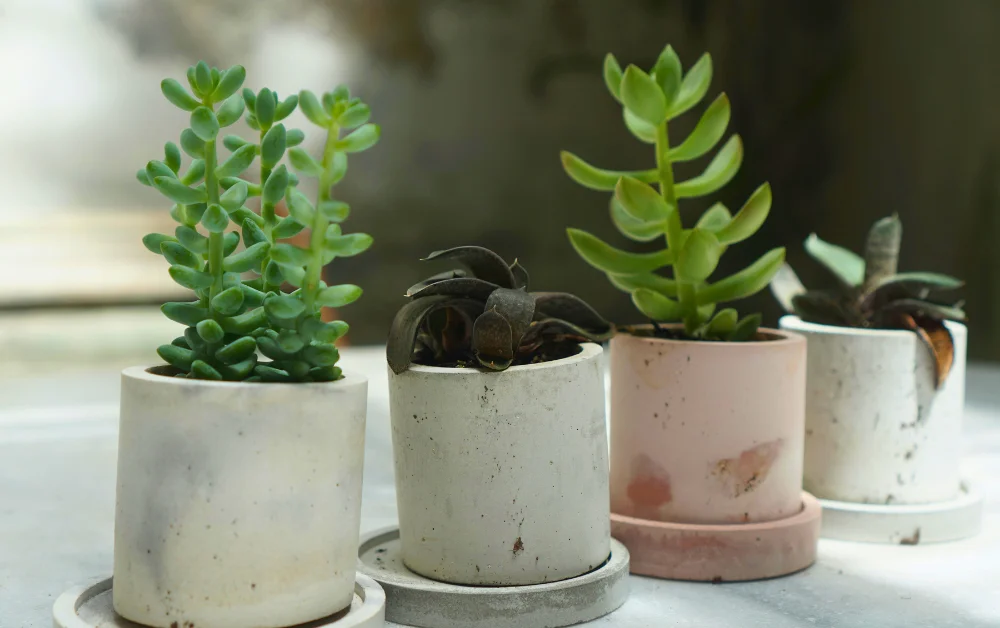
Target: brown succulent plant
482	315
870	293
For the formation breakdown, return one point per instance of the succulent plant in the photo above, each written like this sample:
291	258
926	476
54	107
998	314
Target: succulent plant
644	213
483	315
870	293
240	307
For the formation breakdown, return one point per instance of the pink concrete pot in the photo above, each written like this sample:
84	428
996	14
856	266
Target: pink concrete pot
706	435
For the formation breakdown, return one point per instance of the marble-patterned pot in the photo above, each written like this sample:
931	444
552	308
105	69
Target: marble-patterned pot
502	478
707	432
877	431
238	503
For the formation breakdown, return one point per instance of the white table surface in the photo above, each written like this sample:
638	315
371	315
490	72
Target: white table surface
58	443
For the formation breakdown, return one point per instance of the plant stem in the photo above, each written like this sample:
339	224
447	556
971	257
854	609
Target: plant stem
267	213
216	241
317	238
686	292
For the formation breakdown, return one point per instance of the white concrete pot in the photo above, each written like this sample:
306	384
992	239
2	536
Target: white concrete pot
238	503
502	478
876	429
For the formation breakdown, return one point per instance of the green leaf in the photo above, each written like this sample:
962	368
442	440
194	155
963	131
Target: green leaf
289	255
252	188
348	245
230	111
321	354
748	220
846	265
698	257
177	95
177	357
191	239
631	227
290	342
287	228
250	98
237	350
156	168
252	234
613	76
643	97
882	250
338	168
715	217
294	275
723	323
230	241
178	192
229	301
933	281
339	296
667	73
311	106
641	129
284	307
719	172
189	314
172	156
215	219
360	139
210	331
241	215
175	253
276	184
264	107
251	296
599	179
190	278
294	137
693	87
239	161
746	329
235	196
246	259
299	207
335	211
203	370
304	163
341	93
354	116
611	260
272	146
273	274
234	142
328	103
286	107
328	332
744	283
143	177
192	144
656	306
332	231
245	322
152	241
204	124
230	83
191	214
649	281
709	130
194	173
203	78
641	201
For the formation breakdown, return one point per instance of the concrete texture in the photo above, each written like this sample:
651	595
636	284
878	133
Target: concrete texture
58	451
418	601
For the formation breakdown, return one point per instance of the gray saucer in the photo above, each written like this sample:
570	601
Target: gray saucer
90	607
414	600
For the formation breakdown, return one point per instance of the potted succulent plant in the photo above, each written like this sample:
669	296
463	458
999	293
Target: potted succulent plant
886	374
491	389
239	476
707	410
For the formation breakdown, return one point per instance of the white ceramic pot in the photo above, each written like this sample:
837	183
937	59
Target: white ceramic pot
707	432
876	429
502	478
238	503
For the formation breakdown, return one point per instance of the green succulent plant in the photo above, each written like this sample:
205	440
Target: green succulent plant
645	205
483	315
871	293
241	310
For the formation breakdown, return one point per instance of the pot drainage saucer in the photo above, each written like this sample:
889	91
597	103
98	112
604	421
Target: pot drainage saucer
905	524
721	553
414	600
90	607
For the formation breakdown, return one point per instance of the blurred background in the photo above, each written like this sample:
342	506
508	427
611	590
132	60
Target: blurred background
852	111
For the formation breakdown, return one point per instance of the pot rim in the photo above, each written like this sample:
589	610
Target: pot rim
783	338
588	351
797	324
142	373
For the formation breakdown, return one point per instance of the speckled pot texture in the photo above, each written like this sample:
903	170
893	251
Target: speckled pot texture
502	477
238	503
877	431
707	432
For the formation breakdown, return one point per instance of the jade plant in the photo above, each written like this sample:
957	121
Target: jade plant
870	293
645	205
483	315
241	310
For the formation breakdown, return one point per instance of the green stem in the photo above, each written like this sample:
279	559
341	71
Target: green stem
270	219
686	292
216	241
314	270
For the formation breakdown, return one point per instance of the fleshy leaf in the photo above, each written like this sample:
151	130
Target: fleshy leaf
597	178
846	265
613	76
882	251
693	87
719	172
630	227
643	97
470	287
492	339
651	281
641	201
570	308
706	134
746	282
481	262
698	257
715	218
749	219
611	260
785	286
667	74
656	306
339	296
406	324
